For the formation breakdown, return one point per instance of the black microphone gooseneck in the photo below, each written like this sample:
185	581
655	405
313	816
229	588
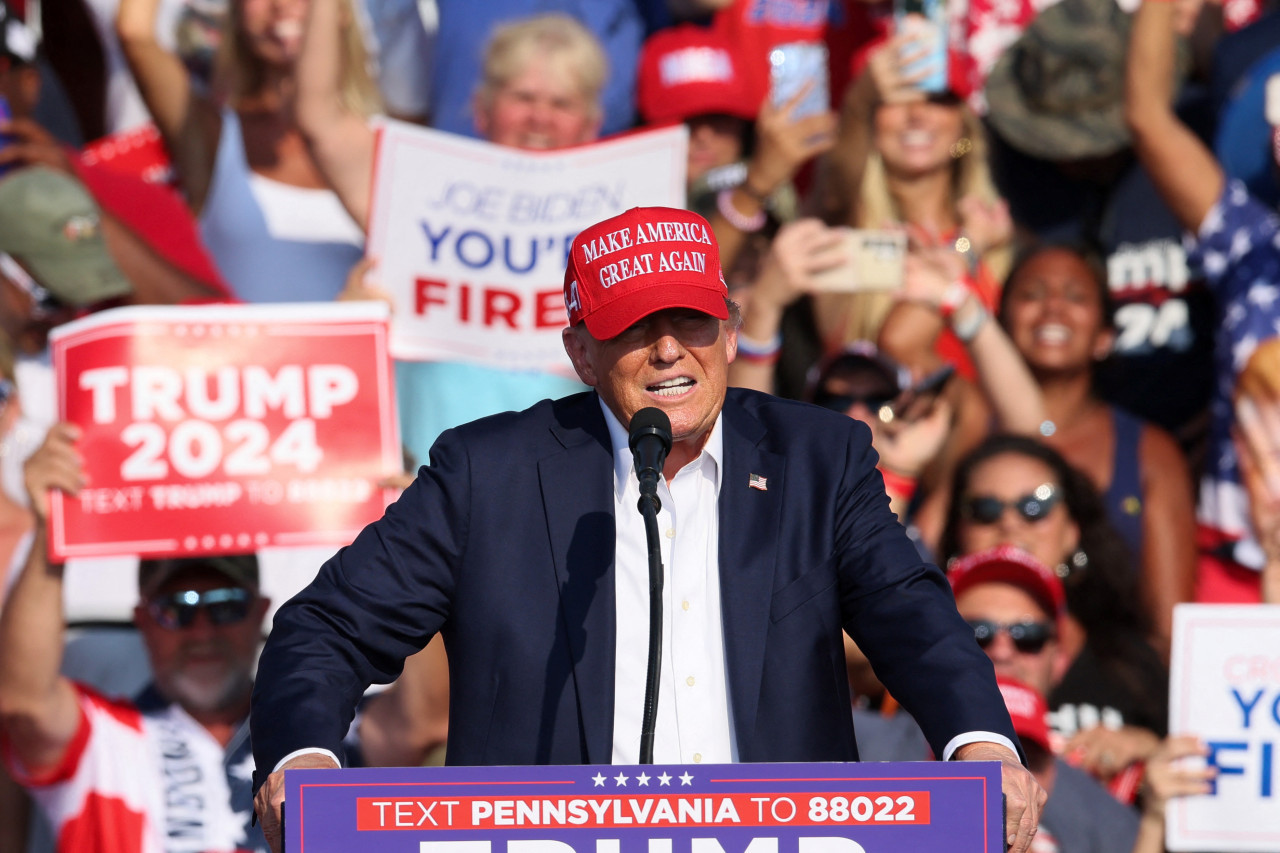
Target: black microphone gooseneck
650	441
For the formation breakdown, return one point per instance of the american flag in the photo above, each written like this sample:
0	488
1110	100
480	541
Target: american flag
758	482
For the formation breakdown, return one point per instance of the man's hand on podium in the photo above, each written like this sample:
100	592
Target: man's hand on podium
1024	798
270	797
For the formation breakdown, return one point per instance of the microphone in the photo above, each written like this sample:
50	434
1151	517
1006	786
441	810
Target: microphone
650	442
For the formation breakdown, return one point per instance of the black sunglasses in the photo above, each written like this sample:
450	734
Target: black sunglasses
225	606
1028	637
843	402
987	509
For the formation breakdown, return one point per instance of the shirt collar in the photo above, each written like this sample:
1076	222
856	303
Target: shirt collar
623	464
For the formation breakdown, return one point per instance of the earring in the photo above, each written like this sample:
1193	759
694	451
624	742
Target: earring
1078	561
961	147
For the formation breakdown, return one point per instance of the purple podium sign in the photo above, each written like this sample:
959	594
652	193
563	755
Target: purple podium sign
720	808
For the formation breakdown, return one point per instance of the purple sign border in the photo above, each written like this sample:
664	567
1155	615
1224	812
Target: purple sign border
965	807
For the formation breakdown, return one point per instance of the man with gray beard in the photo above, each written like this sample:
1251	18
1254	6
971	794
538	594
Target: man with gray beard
169	770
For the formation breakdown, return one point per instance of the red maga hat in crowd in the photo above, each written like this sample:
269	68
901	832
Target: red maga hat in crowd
688	71
1028	711
633	264
1011	565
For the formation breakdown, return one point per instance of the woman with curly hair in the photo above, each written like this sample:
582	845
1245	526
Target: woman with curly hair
1110	695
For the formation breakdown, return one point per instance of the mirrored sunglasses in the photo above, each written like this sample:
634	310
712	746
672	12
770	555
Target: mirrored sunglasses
6	392
1028	637
987	509
225	606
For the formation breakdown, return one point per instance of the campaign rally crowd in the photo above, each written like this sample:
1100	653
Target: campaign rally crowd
1071	372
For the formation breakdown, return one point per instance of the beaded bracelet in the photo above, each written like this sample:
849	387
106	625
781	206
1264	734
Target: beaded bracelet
967	329
757	352
745	224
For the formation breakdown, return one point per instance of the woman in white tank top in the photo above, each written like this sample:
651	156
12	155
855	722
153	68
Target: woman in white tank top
275	229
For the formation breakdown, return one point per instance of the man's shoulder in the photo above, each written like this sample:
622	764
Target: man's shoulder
574	411
791	420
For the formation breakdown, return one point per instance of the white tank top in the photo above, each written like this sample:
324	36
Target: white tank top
275	242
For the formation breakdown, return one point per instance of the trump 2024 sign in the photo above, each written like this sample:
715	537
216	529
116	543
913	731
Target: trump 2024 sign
224	428
730	808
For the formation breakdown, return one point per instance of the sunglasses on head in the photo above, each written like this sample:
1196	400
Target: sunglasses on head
987	509
225	606
1029	637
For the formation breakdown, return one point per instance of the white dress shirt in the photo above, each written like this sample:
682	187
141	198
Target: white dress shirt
693	722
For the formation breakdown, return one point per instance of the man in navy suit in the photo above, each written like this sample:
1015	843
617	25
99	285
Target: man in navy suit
522	545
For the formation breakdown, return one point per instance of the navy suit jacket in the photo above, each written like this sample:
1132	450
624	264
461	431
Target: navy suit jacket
505	544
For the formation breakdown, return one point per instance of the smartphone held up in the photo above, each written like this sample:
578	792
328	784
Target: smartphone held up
794	66
926	21
875	260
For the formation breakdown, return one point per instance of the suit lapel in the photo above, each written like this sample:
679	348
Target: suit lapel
750	519
577	497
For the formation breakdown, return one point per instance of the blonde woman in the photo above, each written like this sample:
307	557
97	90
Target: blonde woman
917	161
275	229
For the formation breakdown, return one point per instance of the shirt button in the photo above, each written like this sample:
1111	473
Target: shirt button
697	758
671	533
684	605
689	681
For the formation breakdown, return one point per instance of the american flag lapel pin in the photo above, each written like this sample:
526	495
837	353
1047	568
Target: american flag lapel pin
756	481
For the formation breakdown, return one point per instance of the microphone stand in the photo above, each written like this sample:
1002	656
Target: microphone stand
649	507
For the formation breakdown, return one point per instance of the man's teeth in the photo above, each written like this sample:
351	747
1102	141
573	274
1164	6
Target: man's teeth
671	387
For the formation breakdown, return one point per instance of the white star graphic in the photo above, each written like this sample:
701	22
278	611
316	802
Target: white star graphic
598	779
1242	349
665	779
242	770
685	778
1215	263
642	779
242	818
1241	243
621	780
1262	294
1236	313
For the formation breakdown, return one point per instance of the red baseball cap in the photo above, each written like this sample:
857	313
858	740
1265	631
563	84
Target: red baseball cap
1028	711
645	260
689	70
1011	565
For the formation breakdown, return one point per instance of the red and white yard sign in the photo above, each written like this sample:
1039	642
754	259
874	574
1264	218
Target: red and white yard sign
217	429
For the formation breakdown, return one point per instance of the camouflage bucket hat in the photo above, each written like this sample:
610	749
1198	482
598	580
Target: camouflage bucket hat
1058	92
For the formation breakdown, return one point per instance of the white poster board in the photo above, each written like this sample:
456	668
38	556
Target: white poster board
1225	689
471	238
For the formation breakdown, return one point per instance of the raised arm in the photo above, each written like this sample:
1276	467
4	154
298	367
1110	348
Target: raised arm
188	122
339	138
802	248
933	283
1183	170
38	707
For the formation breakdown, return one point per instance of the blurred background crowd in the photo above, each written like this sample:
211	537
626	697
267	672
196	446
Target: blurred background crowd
1066	340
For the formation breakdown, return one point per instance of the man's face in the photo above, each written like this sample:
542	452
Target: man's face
676	359
1006	605
543	107
205	667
